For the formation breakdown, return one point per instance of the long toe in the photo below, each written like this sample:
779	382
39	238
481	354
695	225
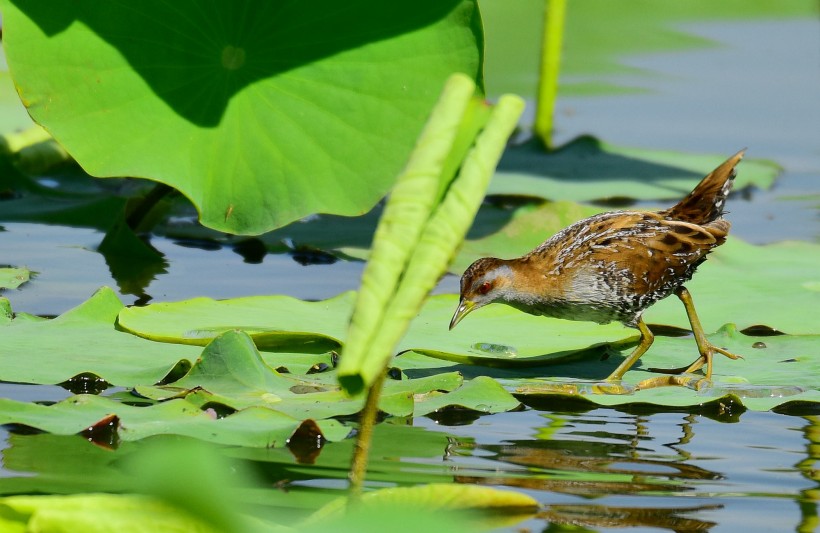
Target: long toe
694	366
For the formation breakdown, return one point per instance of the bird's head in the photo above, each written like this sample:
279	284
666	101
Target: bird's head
485	281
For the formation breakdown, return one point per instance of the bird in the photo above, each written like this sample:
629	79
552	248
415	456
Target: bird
612	267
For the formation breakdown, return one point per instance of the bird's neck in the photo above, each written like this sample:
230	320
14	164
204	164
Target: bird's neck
529	285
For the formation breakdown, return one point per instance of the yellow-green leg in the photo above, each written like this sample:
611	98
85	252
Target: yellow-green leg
706	348
646	341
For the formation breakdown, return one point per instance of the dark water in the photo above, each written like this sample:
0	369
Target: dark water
602	469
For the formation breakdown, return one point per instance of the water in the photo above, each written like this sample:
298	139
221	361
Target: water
660	471
604	469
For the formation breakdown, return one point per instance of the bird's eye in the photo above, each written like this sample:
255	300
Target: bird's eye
484	288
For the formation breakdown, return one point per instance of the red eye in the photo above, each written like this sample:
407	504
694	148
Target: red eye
484	288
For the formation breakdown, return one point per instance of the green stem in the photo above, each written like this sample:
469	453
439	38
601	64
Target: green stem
551	42
361	451
141	211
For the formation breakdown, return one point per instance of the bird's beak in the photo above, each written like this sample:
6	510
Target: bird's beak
464	308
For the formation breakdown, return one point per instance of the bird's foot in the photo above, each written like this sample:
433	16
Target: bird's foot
690	382
705	358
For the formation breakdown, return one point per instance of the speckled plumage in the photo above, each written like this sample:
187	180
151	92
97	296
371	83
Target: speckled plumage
611	266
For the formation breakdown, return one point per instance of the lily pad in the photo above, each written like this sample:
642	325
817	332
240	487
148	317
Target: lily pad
775	371
82	340
231	372
11	278
161	91
588	169
496	335
270	320
481	394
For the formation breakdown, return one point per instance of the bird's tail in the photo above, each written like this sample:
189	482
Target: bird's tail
705	203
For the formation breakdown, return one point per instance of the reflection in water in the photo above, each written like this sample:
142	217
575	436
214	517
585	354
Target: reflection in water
673	519
809	498
672	471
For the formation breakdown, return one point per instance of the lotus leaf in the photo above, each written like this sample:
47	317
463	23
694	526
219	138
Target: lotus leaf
259	92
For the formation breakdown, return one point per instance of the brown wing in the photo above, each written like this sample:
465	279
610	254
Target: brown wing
630	253
673	252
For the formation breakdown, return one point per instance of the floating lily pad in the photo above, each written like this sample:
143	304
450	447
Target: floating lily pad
11	278
85	339
265	96
589	169
775	371
270	320
495	335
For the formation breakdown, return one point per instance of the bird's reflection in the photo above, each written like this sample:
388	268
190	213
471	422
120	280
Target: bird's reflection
596	457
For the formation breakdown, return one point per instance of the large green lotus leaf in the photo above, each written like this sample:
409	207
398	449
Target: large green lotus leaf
85	339
588	169
775	371
11	278
259	112
777	285
13	114
255	426
496	335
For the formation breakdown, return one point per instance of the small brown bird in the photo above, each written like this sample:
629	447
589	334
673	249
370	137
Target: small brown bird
613	266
